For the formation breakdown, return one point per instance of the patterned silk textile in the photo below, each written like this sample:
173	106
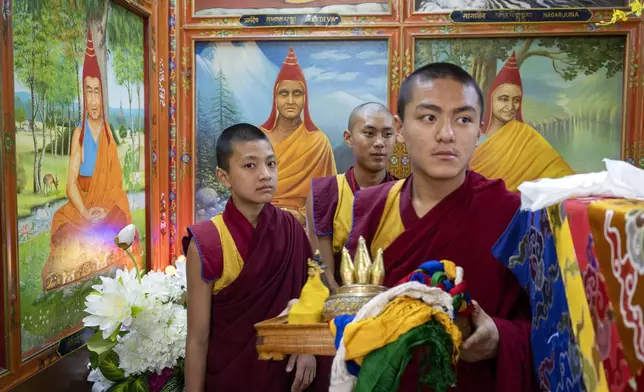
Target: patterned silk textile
608	342
618	232
584	331
528	248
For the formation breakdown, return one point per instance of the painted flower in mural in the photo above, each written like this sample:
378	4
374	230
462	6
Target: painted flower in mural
140	325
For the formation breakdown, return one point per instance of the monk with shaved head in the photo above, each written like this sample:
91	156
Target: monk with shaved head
371	136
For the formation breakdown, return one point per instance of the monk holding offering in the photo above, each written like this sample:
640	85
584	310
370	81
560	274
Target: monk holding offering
243	267
445	212
370	134
303	151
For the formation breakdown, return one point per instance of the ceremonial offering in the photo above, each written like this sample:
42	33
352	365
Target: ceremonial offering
361	281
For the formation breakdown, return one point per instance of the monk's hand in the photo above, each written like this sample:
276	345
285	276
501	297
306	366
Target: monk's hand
305	367
483	343
288	307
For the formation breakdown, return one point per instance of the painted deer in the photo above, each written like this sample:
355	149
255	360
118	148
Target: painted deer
50	180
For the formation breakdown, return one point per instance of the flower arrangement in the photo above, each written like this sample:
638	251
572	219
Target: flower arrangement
636	6
140	323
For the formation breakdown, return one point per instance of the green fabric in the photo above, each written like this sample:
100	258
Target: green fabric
382	369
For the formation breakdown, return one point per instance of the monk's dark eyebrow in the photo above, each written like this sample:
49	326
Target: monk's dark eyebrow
466	108
271	157
429	106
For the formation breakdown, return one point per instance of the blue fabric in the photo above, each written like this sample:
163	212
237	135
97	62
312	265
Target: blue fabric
340	323
429	267
90	149
527	248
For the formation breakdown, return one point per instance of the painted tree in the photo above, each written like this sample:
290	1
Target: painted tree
206	159
33	65
96	19
570	56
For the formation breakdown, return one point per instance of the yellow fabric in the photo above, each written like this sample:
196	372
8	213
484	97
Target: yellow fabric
233	262
308	310
342	219
517	153
300	157
391	225
400	316
450	270
580	317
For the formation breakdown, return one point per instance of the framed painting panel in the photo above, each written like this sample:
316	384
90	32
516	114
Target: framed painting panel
351	12
249	79
437	11
572	96
77	164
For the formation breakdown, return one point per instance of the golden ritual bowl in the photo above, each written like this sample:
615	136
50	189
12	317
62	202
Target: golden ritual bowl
349	299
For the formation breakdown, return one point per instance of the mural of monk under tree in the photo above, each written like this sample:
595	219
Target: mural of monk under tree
300	93
554	108
83	229
239	7
80	149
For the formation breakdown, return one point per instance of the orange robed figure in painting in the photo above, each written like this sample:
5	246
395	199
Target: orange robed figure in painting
303	151
83	230
512	150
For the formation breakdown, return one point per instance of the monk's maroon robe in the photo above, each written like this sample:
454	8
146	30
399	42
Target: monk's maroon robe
463	228
325	203
275	253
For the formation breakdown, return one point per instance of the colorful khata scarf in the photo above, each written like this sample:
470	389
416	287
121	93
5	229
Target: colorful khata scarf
375	346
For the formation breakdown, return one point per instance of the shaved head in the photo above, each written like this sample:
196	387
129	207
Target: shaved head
365	110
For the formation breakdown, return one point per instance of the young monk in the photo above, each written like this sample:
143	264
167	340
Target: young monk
444	211
370	134
243	267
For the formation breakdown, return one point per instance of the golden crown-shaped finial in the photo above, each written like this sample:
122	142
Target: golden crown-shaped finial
362	270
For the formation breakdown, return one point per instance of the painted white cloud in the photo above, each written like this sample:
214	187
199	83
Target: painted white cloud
369	54
379	82
382	61
372	98
313	71
330	55
318	74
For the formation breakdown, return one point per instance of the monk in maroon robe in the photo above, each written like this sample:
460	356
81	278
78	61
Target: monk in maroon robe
443	211
243	266
329	208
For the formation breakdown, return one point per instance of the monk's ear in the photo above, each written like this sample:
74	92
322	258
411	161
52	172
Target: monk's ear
222	176
399	125
347	138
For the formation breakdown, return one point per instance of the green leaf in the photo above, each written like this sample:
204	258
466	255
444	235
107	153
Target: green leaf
115	333
121	387
110	367
173	385
100	346
140	385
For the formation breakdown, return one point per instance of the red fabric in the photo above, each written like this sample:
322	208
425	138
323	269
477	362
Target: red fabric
91	70
463	228
274	272
607	336
508	74
290	71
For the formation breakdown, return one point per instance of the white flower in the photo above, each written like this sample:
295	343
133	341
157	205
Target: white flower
112	304
125	237
156	341
101	384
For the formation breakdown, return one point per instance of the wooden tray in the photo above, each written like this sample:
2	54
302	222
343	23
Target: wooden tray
276	339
